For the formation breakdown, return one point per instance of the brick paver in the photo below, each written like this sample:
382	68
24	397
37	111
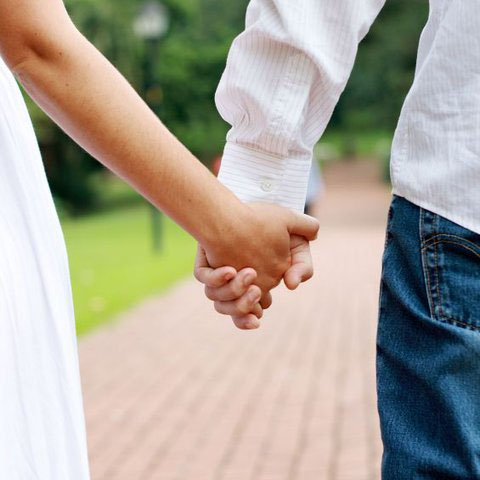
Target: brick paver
174	392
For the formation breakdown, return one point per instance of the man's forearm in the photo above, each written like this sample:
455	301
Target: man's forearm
283	78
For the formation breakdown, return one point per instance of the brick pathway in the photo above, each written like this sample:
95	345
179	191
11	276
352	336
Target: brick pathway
174	392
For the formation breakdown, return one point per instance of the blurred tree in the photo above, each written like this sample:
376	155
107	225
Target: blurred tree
69	168
384	69
190	64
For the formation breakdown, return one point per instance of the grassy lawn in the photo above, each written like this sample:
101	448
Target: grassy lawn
113	265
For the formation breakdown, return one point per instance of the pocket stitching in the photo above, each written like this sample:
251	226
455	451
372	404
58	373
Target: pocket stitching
425	262
454	321
439	292
442	317
460	244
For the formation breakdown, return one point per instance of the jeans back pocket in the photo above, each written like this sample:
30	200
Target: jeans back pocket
451	263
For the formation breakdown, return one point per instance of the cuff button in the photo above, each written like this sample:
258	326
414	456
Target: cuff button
267	186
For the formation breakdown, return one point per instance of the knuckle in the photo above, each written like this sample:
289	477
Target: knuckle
242	323
197	275
219	307
242	307
209	293
236	290
238	321
256	289
231	292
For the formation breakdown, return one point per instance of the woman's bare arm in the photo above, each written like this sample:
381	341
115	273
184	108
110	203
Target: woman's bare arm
84	94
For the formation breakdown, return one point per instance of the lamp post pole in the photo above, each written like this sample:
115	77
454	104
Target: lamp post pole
151	25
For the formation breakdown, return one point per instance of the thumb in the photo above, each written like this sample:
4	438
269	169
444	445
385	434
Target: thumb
303	225
301	268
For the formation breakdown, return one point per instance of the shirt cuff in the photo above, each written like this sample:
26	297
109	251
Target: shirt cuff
258	177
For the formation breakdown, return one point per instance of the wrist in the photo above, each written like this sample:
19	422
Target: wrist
228	229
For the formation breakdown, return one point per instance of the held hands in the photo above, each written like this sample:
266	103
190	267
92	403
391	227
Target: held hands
264	246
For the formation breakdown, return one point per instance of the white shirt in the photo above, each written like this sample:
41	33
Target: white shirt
285	74
42	428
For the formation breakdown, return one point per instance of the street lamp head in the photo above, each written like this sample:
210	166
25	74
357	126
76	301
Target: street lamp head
152	21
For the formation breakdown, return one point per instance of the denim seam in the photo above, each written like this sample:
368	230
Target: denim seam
449	235
460	244
423	255
437	283
459	323
439	296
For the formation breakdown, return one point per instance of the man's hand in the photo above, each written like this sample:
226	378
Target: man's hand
236	295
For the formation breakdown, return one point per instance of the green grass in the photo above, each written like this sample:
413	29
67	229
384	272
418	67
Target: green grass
113	265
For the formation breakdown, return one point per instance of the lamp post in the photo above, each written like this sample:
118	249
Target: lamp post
152	21
151	24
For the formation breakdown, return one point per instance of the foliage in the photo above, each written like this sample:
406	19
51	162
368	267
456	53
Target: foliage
384	69
190	64
69	168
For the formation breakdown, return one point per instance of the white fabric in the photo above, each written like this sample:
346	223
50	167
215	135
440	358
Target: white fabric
284	76
42	433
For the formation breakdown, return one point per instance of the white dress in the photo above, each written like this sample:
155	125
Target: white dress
42	429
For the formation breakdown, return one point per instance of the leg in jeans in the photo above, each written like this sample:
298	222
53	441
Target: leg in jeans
428	348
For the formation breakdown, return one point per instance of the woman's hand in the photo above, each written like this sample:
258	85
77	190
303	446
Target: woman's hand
233	293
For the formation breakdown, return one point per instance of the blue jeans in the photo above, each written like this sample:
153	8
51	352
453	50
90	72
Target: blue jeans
428	347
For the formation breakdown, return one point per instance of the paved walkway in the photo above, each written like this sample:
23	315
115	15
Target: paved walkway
174	392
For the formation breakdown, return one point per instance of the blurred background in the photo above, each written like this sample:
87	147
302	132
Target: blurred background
122	252
174	59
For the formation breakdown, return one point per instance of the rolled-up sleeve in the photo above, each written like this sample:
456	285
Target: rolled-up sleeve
284	76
